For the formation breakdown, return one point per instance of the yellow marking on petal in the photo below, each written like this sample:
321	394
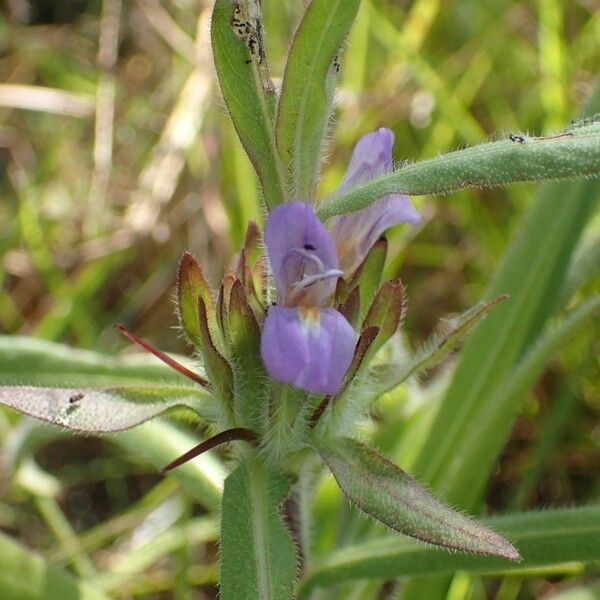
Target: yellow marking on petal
310	319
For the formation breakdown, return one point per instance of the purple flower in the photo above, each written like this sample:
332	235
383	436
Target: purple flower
354	234
303	343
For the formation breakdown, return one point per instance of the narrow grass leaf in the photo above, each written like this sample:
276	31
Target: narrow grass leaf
26	575
62	366
496	418
546	539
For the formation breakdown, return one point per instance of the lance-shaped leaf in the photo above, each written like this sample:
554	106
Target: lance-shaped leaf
191	285
574	153
387	377
384	491
96	410
238	50
308	88
258	557
244	337
368	275
386	312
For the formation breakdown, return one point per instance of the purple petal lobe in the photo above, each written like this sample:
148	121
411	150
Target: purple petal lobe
302	255
371	158
354	234
309	348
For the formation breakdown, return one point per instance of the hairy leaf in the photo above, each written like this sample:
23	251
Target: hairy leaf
384	491
238	50
387	377
575	153
308	88
258	558
94	410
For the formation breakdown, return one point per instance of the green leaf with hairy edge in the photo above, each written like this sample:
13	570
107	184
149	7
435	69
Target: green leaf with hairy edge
388	494
258	558
238	50
386	377
567	156
59	365
532	272
156	443
546	540
96	410
26	575
308	88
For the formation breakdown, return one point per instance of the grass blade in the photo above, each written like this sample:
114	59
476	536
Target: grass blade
26	575
547	539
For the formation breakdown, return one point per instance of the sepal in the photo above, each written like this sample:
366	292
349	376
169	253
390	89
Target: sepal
252	268
218	368
191	285
367	276
386	312
244	343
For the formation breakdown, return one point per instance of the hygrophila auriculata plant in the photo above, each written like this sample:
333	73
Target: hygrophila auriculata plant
293	346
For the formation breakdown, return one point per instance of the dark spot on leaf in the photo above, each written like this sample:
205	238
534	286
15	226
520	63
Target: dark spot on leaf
76	398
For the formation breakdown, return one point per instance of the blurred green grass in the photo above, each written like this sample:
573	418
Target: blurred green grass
132	160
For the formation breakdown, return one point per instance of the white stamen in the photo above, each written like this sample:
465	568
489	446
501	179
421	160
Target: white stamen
308	280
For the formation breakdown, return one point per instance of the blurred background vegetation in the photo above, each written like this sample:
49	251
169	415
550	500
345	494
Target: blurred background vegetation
116	155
